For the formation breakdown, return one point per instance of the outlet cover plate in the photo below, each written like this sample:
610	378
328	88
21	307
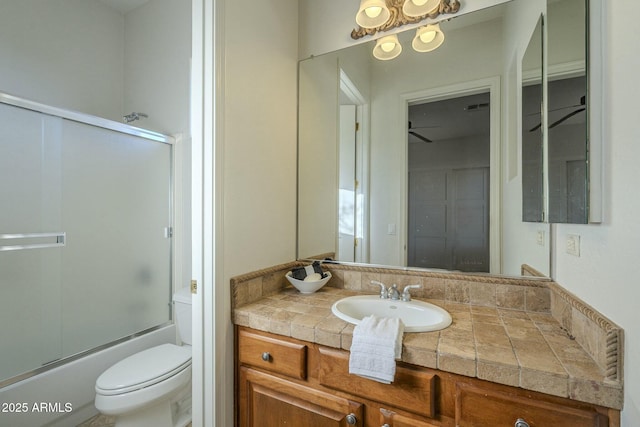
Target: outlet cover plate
573	244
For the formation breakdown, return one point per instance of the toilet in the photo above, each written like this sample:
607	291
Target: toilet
153	387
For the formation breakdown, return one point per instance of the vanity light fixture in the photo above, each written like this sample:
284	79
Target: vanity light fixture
416	8
387	47
428	38
372	13
384	15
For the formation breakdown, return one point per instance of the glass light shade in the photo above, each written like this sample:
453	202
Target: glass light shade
387	47
428	38
372	13
415	8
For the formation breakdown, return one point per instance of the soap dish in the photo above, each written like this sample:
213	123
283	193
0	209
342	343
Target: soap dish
308	286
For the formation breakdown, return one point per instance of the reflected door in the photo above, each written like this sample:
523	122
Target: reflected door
449	219
347	220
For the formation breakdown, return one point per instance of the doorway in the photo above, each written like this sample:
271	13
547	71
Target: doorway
352	243
449	170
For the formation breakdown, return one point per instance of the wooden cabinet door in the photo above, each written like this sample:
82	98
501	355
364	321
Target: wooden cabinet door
484	407
269	401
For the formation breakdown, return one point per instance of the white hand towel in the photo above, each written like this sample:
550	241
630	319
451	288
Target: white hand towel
377	343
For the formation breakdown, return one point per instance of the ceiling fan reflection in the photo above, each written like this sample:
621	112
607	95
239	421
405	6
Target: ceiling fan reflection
582	107
417	135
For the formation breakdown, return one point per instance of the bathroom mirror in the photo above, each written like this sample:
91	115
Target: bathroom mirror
532	129
567	108
555	145
353	203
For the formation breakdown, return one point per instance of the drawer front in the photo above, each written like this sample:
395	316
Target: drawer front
412	391
480	407
270	401
272	354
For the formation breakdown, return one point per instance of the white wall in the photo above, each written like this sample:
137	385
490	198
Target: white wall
260	106
606	273
259	101
63	53
157	60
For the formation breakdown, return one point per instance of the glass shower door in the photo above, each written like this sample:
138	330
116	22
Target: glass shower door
31	240
85	237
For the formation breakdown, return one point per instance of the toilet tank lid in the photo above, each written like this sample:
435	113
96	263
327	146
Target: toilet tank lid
183	295
144	368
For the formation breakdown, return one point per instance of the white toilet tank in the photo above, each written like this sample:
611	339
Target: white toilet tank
182	303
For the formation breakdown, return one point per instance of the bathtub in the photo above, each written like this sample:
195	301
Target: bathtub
63	396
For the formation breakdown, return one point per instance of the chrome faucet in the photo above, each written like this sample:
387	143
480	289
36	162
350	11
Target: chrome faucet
390	293
406	296
383	289
393	292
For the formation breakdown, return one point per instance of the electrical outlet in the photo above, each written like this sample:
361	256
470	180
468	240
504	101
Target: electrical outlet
540	237
573	244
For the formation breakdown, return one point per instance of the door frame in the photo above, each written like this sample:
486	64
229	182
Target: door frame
356	98
491	85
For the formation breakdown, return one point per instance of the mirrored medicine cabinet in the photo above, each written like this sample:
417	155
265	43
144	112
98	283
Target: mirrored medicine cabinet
560	163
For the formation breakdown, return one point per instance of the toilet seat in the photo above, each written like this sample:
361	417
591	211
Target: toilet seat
144	369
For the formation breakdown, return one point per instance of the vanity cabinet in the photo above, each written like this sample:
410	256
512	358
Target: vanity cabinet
282	381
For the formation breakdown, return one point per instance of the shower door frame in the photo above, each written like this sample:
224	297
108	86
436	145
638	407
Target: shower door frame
175	267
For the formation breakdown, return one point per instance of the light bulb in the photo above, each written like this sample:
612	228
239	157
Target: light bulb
388	46
373	11
418	2
428	36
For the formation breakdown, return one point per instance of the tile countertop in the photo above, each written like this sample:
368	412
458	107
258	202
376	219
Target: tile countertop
517	348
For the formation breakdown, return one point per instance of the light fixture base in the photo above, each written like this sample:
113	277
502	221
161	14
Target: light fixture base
398	18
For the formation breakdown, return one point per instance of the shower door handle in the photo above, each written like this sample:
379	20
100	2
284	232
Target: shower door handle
23	241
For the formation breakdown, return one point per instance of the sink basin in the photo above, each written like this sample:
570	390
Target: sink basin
417	316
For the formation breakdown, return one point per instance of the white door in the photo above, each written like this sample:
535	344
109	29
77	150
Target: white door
347	185
449	219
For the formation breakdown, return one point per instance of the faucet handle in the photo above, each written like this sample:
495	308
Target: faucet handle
406	295
383	288
393	292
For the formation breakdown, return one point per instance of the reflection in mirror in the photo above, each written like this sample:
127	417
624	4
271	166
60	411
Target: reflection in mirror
351	171
371	222
532	126
567	112
449	165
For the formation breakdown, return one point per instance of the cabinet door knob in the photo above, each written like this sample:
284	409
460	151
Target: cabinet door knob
351	419
385	425
266	356
521	423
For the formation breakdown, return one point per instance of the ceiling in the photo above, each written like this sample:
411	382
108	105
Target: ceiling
448	119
